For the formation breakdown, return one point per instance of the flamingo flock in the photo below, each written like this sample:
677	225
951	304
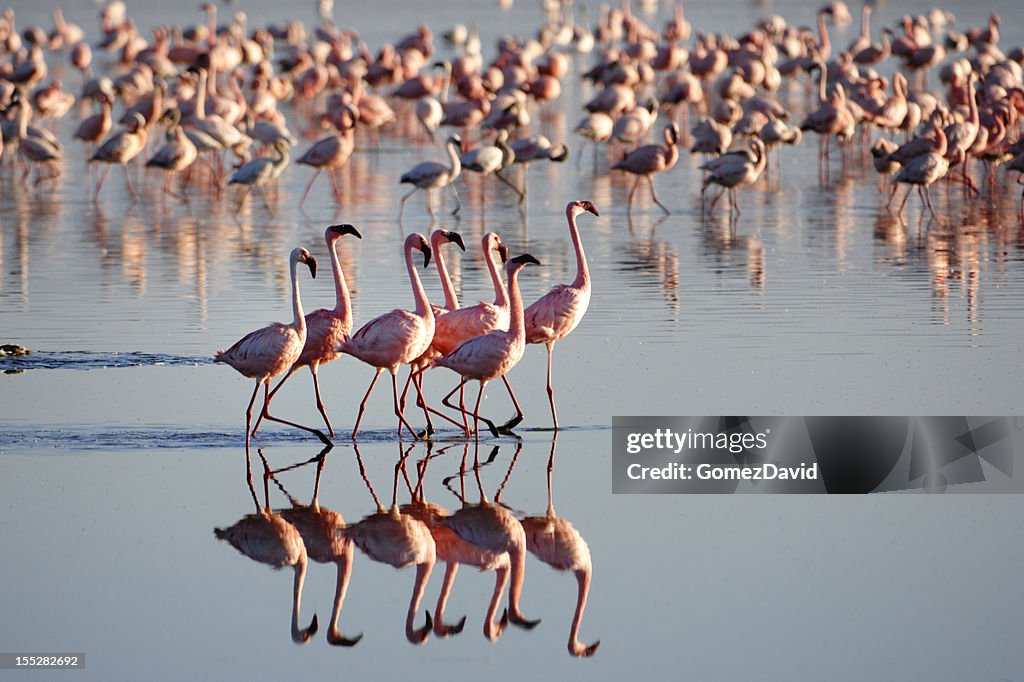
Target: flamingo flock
480	342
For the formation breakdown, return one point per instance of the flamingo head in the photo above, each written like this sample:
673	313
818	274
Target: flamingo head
335	231
577	207
419	242
560	153
138	121
492	631
672	134
300	255
455	238
456	140
335	638
516	264
301	636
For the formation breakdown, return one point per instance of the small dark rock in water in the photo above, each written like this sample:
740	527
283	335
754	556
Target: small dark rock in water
13	350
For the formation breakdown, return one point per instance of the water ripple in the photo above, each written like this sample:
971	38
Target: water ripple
84	360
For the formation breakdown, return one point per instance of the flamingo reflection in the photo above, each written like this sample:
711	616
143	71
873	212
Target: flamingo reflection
392	537
557	543
268	538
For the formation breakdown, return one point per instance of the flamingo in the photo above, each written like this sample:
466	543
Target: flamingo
923	170
488	159
177	154
430	175
121	148
557	543
269	539
555	314
331	153
325	329
320	529
736	169
260	171
536	148
395	338
392	537
650	159
493	354
95	127
267	352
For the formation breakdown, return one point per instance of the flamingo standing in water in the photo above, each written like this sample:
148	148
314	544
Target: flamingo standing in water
267	352
556	313
325	329
396	338
557	543
492	355
430	175
650	159
331	153
121	148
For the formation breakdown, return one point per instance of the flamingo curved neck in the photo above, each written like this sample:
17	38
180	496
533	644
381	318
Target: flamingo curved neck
456	162
516	324
582	280
422	575
343	302
419	296
201	95
583	581
299	635
451	300
334	635
298	319
500	293
492	629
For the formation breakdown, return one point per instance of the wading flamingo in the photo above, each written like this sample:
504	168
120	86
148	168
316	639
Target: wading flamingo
331	153
177	154
430	175
396	338
325	329
267	352
121	147
556	313
492	355
650	159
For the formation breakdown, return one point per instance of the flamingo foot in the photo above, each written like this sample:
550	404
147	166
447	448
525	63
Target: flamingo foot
507	427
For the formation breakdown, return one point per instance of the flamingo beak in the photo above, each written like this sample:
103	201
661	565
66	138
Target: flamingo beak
525	259
442	630
420	636
311	262
589	207
426	255
503	252
335	638
345	229
524	623
577	649
456	238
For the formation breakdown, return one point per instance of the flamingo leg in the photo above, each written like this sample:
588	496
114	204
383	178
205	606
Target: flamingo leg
274	391
551	390
417	380
514	421
421	401
362	405
441	629
629	200
310	185
128	183
248	415
477	417
455	195
904	202
461	408
509	183
401	204
334	185
266	415
99	183
398	410
319	400
733	203
650	181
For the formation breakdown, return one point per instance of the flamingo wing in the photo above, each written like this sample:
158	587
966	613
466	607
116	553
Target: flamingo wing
264	352
555	314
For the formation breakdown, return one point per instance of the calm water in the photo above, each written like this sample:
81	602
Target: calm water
122	445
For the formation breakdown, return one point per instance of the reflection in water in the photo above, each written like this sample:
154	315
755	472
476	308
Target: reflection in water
453	550
557	543
492	527
727	248
397	539
321	530
267	538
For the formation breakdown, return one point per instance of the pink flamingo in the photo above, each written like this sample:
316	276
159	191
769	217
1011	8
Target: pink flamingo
391	537
177	154
121	148
556	313
325	329
267	352
330	154
493	354
557	543
430	175
923	170
396	338
650	159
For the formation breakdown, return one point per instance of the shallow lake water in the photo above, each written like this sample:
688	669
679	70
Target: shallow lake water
121	444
